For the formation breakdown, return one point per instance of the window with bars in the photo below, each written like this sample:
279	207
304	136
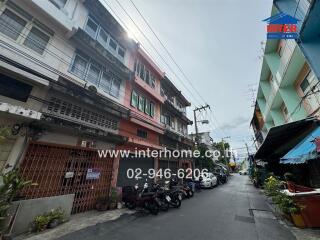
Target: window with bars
144	73
67	110
97	32
86	68
142	103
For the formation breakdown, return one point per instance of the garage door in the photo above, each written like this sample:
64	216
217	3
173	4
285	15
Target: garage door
133	163
172	165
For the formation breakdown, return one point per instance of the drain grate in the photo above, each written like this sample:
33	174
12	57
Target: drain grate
244	219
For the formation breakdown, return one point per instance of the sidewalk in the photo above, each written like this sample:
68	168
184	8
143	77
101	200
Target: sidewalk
76	222
262	208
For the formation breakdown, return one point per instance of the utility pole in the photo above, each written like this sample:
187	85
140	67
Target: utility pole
224	150
198	109
196	122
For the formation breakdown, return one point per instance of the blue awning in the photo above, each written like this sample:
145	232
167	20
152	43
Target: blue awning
303	151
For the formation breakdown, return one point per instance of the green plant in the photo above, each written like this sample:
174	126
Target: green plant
4	134
272	186
40	223
286	203
57	214
12	184
113	195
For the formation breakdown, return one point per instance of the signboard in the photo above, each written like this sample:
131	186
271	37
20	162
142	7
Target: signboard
69	175
93	173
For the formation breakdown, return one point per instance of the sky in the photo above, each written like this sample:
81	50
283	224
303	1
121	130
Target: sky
217	44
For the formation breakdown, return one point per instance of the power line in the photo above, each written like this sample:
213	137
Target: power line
156	50
167	51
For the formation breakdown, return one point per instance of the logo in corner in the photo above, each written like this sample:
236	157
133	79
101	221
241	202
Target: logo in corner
282	26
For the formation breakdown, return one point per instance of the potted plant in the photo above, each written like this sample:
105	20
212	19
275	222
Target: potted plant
102	203
113	198
40	223
12	184
56	217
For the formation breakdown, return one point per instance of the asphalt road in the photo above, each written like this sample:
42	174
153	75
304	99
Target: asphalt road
232	211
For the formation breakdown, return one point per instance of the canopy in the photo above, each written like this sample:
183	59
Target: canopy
303	151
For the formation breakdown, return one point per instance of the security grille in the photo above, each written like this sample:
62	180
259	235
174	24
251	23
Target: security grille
59	169
67	110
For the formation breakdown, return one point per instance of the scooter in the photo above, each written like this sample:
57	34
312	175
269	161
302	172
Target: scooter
142	199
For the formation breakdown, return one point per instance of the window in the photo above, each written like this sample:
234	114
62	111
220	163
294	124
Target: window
121	52
12	88
151	109
304	85
105	82
93	74
11	25
115	87
85	68
142	133
37	40
147	107
113	44
79	65
97	32
134	99
142	101
103	38
153	81
91	28
144	73
58	3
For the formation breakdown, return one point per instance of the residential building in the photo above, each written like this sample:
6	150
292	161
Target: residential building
63	76
173	116
285	79
72	83
285	119
143	128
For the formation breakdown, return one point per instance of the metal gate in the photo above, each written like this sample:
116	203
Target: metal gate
60	169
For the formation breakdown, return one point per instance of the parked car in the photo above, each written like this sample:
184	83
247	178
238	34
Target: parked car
243	172
209	181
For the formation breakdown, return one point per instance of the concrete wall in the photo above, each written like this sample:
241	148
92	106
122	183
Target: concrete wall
31	208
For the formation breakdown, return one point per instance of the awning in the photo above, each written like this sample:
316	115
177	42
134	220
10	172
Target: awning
281	139
304	151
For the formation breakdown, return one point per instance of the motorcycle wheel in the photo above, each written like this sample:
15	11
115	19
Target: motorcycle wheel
153	207
164	206
176	202
190	194
130	205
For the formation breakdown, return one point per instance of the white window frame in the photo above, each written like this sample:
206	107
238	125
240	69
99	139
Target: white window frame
25	31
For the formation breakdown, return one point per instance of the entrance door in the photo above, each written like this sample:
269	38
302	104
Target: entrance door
60	169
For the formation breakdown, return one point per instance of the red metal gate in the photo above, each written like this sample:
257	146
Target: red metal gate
61	169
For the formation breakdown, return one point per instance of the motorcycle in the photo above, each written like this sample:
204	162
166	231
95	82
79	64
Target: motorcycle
141	199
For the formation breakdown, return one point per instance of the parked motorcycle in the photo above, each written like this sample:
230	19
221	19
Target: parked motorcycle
136	198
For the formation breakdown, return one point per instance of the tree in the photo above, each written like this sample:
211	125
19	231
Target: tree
223	148
203	161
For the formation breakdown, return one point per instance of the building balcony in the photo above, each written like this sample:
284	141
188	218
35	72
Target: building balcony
89	45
